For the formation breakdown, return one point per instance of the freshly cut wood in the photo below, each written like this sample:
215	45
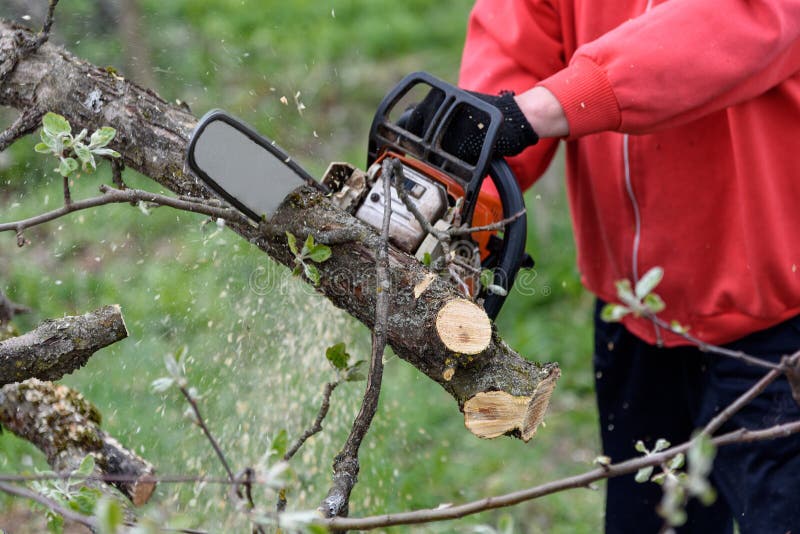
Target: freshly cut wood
495	413
61	423
464	327
59	346
152	138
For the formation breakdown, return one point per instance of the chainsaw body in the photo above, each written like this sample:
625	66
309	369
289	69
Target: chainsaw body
445	190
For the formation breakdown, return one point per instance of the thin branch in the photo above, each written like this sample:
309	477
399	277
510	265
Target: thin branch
50	504
315	428
345	465
117	196
200	421
499	225
713	349
9	309
25	123
578	481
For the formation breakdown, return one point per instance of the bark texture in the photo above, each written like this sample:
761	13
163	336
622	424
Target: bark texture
59	346
152	136
61	423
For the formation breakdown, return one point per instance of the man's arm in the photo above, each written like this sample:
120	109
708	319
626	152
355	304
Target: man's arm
680	61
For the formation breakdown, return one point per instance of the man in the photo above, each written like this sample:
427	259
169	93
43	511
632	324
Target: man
682	121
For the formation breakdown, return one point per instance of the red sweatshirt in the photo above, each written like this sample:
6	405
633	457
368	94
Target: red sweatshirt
684	146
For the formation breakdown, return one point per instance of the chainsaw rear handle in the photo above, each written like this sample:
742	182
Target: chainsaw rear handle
512	251
385	134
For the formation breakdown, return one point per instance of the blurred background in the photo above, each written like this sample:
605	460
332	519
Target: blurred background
309	74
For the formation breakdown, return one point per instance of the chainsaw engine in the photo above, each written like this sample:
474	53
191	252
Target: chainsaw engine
361	194
444	189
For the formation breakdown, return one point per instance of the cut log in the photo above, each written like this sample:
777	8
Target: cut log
464	327
61	423
152	137
59	346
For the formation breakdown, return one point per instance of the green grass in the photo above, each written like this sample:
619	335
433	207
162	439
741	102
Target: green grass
257	356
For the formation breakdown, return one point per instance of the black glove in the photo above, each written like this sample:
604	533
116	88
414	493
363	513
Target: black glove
466	132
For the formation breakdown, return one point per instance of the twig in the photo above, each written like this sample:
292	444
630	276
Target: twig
117	196
345	465
578	481
25	493
9	309
499	225
26	123
315	428
713	349
200	421
67	194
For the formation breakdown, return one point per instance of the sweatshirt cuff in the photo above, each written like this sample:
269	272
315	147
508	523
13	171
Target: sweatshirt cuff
586	96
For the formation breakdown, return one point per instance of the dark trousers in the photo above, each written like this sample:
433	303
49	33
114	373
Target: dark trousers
645	392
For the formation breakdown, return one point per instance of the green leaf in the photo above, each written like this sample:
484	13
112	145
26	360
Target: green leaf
102	137
487	277
298	268
356	372
55	523
661	445
613	313
84	470
640	447
649	281
55	124
678	328
317	529
109	516
677	462
654	303
312	273
338	356
43	148
319	253
426	260
106	152
292	240
625	293
67	166
86	157
659	478
280	443
643	474
307	246
160	385
85	500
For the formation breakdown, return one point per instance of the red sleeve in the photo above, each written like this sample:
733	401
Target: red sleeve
681	60
499	55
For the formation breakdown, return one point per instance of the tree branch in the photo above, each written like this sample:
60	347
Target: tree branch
61	423
346	465
578	481
152	136
59	346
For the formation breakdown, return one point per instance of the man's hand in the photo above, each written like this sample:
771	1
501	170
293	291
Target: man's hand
466	132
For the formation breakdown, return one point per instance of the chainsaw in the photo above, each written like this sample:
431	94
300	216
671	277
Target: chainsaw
254	175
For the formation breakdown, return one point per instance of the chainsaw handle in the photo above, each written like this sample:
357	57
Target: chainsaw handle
386	134
512	253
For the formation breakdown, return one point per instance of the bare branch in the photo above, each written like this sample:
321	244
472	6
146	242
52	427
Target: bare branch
119	196
200	421
25	123
345	465
578	481
9	309
59	346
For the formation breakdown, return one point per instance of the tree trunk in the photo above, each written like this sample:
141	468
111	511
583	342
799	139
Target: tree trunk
152	136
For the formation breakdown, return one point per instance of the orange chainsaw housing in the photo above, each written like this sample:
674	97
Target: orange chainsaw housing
488	209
